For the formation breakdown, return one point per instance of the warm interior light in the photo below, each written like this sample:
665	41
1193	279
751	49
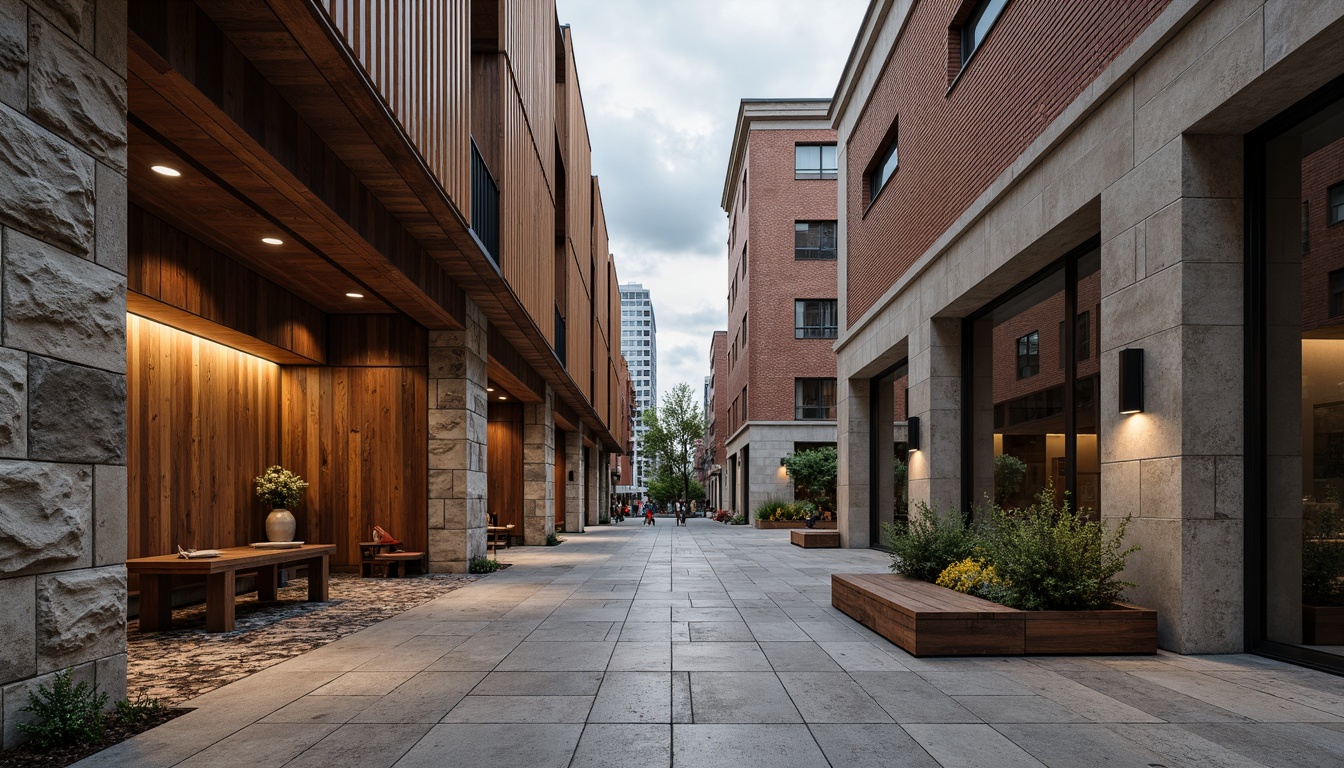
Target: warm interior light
354	295
1131	381
489	389
165	170
502	397
272	241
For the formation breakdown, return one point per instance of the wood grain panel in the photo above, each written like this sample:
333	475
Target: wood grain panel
417	56
171	267
358	436
529	42
376	341
504	441
202	421
561	479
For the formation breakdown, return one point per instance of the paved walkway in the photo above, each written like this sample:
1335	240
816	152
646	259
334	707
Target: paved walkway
713	645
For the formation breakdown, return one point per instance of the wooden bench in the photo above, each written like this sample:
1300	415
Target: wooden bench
808	539
156	606
929	620
397	563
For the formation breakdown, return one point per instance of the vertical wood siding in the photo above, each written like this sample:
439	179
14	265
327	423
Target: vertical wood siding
202	420
417	55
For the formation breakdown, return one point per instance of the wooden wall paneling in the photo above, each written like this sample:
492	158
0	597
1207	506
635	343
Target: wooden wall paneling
170	267
376	340
527	216
202	421
560	478
417	56
358	435
504	451
529	41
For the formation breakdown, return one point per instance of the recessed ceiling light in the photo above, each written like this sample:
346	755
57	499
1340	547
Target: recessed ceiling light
354	295
489	389
502	397
272	241
165	170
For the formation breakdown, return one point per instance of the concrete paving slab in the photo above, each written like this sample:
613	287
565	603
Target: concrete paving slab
741	697
634	697
970	746
539	684
494	745
832	697
718	657
745	746
641	657
623	746
572	656
425	698
870	746
361	746
521	709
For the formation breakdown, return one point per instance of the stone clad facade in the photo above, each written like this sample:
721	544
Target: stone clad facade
63	348
1143	165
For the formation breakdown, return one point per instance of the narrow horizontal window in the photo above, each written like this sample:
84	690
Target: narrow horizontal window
814	161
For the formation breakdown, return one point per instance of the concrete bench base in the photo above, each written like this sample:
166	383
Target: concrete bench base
813	539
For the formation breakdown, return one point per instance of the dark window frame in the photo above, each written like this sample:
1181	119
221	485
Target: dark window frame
888	162
818	225
802	411
1335	284
821	171
1334	209
966	30
819	331
1031	355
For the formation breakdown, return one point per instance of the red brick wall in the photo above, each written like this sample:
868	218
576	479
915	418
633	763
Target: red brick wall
771	358
1321	170
1045	318
1036	60
716	433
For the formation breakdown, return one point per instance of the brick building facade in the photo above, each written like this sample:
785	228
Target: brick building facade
780	197
1080	179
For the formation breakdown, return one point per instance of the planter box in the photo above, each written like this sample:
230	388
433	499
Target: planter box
770	525
815	539
929	620
1323	624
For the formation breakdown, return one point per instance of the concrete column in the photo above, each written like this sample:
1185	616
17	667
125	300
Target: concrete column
602	481
935	397
574	489
539	470
457	444
63	359
1172	286
853	441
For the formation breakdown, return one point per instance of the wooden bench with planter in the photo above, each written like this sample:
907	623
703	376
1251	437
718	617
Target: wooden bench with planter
771	525
928	620
815	539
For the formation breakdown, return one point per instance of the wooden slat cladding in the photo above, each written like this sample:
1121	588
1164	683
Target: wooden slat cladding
504	445
202	420
358	436
416	53
376	340
529	42
527	212
171	267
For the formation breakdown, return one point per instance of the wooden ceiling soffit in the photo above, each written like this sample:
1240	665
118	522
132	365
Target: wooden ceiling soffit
189	122
139	304
293	45
565	417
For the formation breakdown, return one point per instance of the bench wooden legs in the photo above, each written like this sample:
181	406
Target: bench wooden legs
266	580
156	603
317	579
219	594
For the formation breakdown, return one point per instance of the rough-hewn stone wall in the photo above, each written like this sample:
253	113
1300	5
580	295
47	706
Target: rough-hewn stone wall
63	348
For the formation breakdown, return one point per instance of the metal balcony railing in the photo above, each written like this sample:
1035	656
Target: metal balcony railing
484	205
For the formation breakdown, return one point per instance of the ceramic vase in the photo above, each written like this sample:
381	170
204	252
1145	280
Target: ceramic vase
280	525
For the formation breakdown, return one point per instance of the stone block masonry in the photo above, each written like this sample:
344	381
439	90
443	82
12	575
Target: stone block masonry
62	348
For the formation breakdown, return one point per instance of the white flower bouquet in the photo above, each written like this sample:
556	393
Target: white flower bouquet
280	488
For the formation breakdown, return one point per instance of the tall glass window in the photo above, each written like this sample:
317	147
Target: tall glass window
1034	426
890	457
1295	470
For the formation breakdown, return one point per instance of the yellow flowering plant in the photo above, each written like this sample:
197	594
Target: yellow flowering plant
969	576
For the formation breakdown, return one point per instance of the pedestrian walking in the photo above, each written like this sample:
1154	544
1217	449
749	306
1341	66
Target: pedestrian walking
648	515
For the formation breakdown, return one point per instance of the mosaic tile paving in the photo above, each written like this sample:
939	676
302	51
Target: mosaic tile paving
186	661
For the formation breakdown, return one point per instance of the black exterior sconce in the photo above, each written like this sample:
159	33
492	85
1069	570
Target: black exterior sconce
912	433
1131	381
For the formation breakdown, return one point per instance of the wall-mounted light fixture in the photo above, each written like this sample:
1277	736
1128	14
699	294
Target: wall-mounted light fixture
912	433
571	475
1131	381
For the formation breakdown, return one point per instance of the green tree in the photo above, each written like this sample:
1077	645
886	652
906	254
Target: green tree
814	473
673	428
666	487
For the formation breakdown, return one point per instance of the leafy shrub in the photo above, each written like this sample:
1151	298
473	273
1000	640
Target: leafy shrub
1322	552
814	474
923	546
970	576
1054	558
553	540
765	510
66	713
738	519
483	564
139	709
1009	472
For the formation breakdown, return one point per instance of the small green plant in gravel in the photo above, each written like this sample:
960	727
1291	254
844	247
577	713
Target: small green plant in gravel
66	713
139	709
553	540
483	564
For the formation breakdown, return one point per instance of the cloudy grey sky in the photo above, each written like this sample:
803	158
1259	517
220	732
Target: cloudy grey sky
661	82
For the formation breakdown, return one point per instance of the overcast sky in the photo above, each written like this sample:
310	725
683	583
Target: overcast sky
661	83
